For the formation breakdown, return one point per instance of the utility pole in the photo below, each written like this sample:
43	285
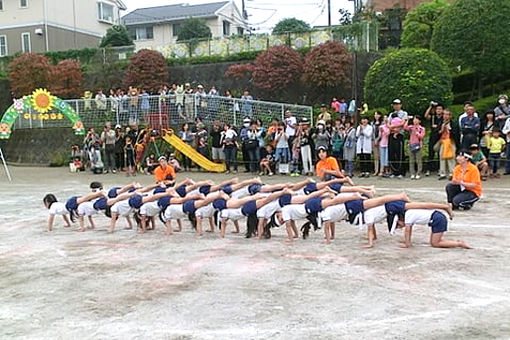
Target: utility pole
329	13
243	9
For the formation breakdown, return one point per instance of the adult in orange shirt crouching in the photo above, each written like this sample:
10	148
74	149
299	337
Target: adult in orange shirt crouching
466	186
327	167
164	173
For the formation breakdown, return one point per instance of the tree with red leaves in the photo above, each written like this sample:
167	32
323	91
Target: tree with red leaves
66	78
277	71
28	72
240	71
147	70
328	65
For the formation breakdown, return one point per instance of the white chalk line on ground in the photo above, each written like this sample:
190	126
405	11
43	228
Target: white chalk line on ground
252	332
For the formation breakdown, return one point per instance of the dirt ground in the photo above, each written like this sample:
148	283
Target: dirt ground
93	285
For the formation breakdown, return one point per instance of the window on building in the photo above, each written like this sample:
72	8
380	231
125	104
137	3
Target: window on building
240	30
3	46
175	29
25	43
226	27
144	33
105	12
23	3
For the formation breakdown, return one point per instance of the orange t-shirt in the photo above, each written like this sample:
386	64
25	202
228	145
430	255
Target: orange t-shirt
472	175
161	174
329	163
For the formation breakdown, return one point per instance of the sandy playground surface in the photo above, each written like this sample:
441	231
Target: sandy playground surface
92	285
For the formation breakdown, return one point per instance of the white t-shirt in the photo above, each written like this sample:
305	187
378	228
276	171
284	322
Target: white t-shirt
289	130
282	140
58	208
418	216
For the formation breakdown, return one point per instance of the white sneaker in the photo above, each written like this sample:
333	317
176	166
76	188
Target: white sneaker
413	177
417	177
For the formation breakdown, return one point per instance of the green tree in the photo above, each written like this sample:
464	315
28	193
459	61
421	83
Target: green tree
193	28
116	36
419	24
416	76
291	25
473	34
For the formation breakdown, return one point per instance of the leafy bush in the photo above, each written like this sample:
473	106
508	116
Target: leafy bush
277	70
28	72
66	78
147	70
419	24
193	28
117	35
240	71
328	65
416	76
291	25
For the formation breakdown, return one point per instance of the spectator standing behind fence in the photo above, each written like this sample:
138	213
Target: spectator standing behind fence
262	133
291	125
101	101
114	102
179	101
384	134
337	140
187	137
229	142
305	144
322	136
246	104
447	145
133	105
335	105
252	147
145	104
487	125
364	135
108	139
282	145
376	123
200	102
343	107
129	152
396	140
496	146
502	111
119	147
349	147
506	131
324	115
243	136
416	135
201	139
216	146
434	114
189	99
470	127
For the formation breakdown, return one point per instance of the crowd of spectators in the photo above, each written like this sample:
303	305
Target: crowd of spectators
380	145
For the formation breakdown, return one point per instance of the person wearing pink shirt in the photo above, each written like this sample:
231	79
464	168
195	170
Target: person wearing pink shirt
384	133
335	105
416	134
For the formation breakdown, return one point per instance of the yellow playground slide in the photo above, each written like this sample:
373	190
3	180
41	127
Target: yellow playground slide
192	154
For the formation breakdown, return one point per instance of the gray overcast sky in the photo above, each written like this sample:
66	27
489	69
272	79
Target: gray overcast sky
264	14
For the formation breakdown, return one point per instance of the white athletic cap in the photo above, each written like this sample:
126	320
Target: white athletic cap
397	101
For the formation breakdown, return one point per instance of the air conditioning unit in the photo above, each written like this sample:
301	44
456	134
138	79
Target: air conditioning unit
38	31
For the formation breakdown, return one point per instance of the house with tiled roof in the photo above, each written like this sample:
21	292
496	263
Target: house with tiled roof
159	26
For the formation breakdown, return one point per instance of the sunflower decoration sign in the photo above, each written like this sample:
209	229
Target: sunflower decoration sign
40	105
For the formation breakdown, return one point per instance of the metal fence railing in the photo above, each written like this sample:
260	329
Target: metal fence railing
163	111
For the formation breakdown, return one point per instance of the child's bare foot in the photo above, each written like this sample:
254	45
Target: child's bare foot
81	230
169	233
288	240
464	245
326	242
235	232
209	231
200	234
178	230
128	228
67	226
110	231
350	181
221	235
367	246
